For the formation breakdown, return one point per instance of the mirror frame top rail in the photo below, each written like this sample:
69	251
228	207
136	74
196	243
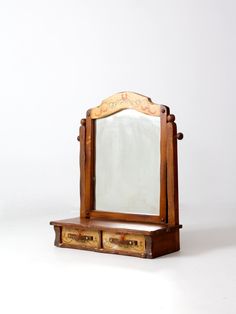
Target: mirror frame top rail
125	100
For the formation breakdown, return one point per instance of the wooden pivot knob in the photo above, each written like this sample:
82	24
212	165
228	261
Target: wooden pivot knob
78	138
180	136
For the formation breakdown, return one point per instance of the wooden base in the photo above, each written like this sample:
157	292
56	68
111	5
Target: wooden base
117	237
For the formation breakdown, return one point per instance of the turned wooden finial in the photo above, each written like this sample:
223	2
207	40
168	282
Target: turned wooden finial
171	118
83	122
180	136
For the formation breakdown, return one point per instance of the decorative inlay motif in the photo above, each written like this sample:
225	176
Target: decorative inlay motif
125	100
124	242
80	238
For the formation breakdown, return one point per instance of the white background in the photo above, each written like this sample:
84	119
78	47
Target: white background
59	58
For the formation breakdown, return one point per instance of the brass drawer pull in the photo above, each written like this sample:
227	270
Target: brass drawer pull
123	242
80	238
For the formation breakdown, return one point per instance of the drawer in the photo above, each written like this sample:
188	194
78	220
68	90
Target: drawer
133	243
81	238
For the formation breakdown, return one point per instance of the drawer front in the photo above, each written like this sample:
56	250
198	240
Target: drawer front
133	243
81	238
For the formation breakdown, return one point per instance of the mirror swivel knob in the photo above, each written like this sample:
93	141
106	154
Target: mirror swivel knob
180	136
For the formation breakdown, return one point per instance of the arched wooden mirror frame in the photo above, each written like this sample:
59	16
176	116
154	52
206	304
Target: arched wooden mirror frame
112	105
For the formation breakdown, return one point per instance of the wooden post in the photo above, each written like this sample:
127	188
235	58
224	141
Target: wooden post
82	135
172	173
89	166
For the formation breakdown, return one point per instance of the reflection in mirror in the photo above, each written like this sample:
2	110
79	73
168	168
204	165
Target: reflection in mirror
128	163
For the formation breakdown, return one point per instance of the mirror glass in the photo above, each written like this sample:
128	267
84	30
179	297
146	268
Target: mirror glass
128	163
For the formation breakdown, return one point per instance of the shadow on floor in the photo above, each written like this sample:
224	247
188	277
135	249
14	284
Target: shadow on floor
200	241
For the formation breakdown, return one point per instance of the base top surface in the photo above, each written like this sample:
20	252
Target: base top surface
131	227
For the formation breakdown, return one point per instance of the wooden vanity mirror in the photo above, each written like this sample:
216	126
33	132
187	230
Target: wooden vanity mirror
128	180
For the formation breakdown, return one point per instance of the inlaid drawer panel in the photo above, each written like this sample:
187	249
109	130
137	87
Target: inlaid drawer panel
81	238
133	243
